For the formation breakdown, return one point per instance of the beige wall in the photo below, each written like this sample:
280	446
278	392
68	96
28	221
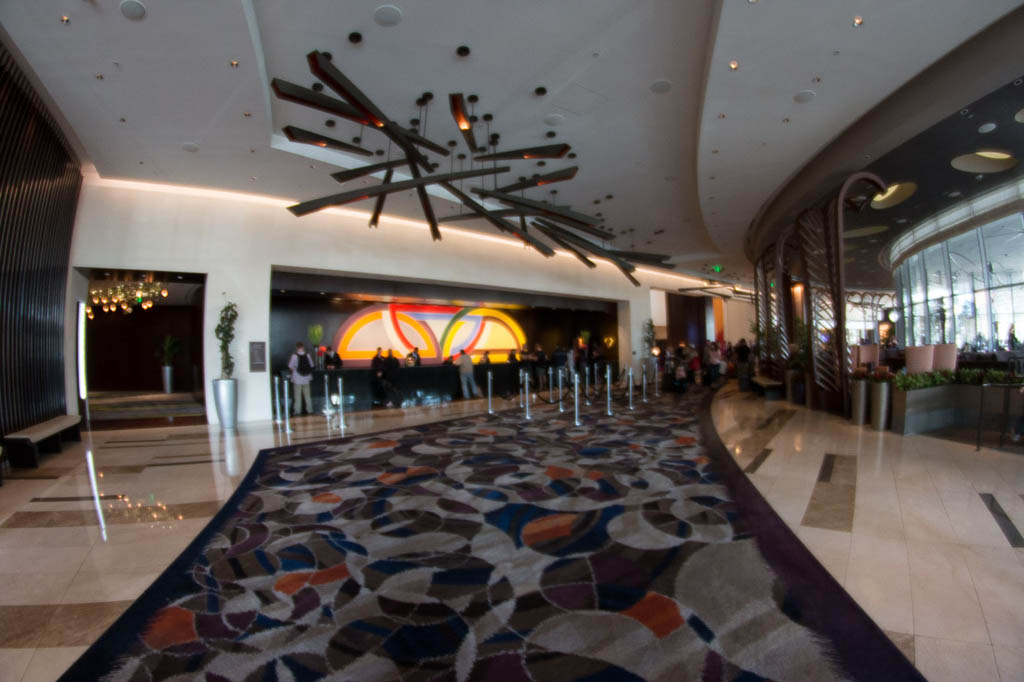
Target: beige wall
738	317
237	239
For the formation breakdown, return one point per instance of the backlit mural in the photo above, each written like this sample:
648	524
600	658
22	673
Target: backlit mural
437	330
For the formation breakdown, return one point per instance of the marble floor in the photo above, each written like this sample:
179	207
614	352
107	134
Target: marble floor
924	533
919	530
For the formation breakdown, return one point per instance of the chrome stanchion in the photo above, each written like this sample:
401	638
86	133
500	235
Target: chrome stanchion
643	382
561	373
341	403
608	387
586	380
277	399
551	384
490	384
576	398
327	395
521	374
629	378
287	410
527	385
657	380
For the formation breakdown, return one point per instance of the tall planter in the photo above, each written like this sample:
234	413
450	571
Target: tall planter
859	401
225	389
225	397
880	393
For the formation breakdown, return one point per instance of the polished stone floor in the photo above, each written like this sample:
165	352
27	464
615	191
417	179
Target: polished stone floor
924	533
919	530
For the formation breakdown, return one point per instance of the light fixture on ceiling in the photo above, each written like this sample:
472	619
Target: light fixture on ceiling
734	65
190	147
858	21
804	96
540	91
462	50
785	120
233	63
124	296
99	76
661	86
247	114
984	161
355	37
554	119
1019	116
133	9
65	19
894	194
987	127
387	15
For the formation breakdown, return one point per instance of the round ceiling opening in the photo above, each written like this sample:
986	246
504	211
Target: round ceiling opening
1019	116
387	15
804	96
986	127
864	231
984	161
133	9
894	195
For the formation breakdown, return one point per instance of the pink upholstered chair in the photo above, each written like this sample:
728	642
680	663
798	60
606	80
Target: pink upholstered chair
945	356
920	359
868	354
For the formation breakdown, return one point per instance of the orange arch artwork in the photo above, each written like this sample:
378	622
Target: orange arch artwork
437	330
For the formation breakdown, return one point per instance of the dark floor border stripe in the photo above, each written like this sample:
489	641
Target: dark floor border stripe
827	465
756	463
1013	535
814	598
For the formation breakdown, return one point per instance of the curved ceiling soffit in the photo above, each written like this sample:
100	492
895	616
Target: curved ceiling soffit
757	135
985	62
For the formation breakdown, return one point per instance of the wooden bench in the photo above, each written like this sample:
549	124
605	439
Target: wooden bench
22	447
769	388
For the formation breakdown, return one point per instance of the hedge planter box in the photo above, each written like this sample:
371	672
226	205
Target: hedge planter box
929	409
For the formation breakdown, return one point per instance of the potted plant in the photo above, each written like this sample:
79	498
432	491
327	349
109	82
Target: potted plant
649	339
225	389
169	347
881	387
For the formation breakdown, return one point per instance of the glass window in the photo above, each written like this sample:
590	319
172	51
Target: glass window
965	263
917	291
920	327
982	337
966	320
1004	249
1016	334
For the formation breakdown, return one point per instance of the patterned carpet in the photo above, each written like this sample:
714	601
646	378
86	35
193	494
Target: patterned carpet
488	549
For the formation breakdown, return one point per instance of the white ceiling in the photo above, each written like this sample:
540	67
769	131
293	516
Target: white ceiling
169	77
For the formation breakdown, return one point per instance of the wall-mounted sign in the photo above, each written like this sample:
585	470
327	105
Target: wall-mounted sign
257	356
437	330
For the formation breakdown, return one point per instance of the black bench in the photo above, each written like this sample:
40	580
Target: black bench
22	446
769	388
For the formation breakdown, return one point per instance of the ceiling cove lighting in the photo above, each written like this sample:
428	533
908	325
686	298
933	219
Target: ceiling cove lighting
893	195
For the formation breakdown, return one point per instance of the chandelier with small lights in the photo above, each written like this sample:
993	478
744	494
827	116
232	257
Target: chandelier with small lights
125	296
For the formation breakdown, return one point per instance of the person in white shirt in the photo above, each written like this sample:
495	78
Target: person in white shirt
301	366
469	387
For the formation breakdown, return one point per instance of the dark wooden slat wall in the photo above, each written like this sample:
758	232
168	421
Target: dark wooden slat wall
40	180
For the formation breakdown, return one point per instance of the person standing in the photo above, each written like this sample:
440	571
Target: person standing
390	381
413	358
540	367
332	360
301	367
469	387
485	359
377	377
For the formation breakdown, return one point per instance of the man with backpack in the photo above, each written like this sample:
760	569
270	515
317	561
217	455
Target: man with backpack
301	367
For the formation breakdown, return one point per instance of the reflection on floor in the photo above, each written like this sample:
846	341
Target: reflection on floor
135	410
922	551
923	532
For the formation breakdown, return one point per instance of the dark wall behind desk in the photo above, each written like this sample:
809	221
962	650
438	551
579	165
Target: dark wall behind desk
292	315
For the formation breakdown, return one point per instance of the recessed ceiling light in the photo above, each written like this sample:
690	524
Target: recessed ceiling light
721	116
785	120
253	178
804	96
661	86
387	15
954	193
133	9
894	194
233	63
65	19
99	76
1019	116
462	50
247	114
190	147
993	154
858	21
540	91
123	119
355	37
554	119
816	79
734	65
987	127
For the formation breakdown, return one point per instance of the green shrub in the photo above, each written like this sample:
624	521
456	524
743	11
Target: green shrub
945	377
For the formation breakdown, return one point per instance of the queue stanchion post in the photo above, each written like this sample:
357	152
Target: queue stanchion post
561	374
643	382
277	399
521	373
341	402
526	383
576	398
327	395
287	410
629	388
586	380
551	384
608	387
490	388
657	379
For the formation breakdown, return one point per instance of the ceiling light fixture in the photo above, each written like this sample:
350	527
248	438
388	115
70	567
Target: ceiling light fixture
858	21
540	91
661	86
734	65
133	9
233	63
355	37
387	15
993	154
462	50
894	194
65	19
804	96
